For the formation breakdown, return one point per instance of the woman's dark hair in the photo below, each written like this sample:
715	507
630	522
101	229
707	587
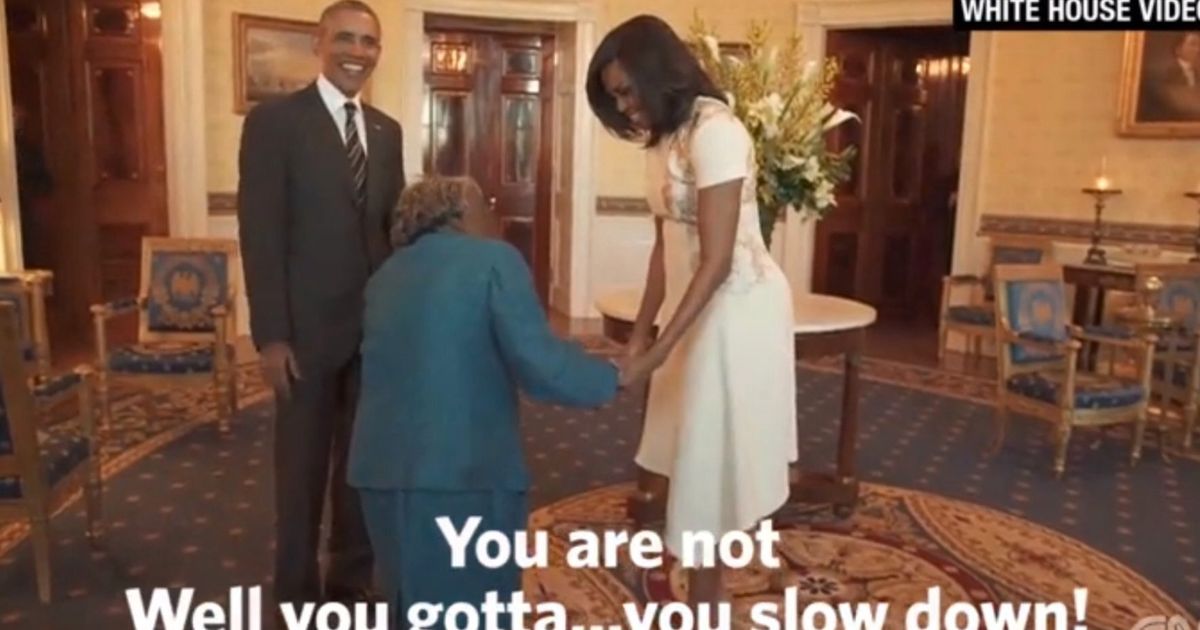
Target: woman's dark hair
665	75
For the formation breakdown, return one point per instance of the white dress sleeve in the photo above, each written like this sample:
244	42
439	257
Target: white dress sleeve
721	150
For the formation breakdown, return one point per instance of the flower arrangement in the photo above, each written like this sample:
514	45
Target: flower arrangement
785	106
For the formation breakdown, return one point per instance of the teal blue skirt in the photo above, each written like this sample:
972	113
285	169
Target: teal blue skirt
414	558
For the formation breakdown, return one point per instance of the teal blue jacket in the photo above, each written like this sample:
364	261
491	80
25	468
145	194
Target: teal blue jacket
454	331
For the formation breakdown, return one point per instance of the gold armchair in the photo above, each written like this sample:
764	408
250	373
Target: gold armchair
27	291
1170	300
1038	370
974	317
39	469
186	324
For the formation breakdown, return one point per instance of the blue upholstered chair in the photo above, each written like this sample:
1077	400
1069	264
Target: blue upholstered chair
186	324
26	291
974	316
39	469
1038	370
1174	307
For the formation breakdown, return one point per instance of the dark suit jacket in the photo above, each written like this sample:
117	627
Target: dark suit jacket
307	251
465	310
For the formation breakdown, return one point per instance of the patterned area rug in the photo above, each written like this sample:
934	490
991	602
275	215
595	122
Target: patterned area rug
188	508
897	546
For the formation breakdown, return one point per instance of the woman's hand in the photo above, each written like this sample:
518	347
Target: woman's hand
635	346
635	369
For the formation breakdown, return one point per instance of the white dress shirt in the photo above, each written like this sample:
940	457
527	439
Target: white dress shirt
335	101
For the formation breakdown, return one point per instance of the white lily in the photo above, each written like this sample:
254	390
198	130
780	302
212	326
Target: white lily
714	49
838	117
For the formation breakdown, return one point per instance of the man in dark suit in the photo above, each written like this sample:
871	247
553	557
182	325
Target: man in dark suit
319	175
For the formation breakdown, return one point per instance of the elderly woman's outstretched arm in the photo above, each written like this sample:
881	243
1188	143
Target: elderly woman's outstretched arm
546	367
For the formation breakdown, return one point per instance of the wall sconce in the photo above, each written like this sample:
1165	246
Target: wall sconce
152	10
451	58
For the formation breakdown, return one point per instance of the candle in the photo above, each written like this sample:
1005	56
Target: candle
1102	182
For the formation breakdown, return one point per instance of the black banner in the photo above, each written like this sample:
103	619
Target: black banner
1076	15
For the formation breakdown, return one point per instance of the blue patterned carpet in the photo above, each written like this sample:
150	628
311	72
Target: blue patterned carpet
197	512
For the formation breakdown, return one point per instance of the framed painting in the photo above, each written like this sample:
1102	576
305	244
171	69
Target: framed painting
271	57
1159	94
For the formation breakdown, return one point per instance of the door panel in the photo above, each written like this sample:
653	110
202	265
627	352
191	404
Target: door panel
87	74
125	123
885	243
488	96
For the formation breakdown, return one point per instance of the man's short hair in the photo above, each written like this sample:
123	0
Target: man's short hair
349	5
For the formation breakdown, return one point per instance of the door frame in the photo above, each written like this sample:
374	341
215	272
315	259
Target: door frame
813	20
571	211
11	256
543	197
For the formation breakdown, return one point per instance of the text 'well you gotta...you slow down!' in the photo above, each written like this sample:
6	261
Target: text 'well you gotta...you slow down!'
1117	15
243	610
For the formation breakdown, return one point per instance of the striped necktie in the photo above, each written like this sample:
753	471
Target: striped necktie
358	158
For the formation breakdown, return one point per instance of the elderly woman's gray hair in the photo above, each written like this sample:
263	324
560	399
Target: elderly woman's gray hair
431	204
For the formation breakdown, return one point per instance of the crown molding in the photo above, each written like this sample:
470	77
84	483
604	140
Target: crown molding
874	12
574	11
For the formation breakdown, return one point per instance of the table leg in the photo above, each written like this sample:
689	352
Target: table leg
848	436
840	489
648	505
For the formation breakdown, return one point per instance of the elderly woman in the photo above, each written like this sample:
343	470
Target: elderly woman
453	331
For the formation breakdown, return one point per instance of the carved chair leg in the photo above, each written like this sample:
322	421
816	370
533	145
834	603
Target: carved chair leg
1000	416
39	537
1060	450
1189	424
102	393
94	506
233	391
221	395
1139	433
93	488
149	406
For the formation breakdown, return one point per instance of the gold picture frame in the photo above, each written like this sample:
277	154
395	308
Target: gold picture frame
272	57
1156	98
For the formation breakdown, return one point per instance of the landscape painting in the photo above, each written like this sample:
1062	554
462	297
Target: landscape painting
272	57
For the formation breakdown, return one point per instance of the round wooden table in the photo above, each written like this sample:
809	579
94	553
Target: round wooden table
826	325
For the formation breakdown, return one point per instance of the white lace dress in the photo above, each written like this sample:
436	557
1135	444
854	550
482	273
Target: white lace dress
721	414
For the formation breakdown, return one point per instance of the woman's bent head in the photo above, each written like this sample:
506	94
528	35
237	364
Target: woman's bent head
435	203
643	80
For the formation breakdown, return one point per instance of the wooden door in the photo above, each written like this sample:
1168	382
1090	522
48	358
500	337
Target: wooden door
87	75
886	243
488	113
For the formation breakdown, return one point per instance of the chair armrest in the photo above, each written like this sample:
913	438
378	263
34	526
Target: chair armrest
102	313
966	278
1114	336
1034	340
86	406
115	308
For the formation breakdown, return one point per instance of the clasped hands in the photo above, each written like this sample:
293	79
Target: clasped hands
640	360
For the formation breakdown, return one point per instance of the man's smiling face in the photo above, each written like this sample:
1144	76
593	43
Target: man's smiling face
348	45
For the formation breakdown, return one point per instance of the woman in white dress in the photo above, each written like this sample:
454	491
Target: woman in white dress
721	413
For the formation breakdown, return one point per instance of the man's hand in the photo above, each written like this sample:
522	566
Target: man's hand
279	367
